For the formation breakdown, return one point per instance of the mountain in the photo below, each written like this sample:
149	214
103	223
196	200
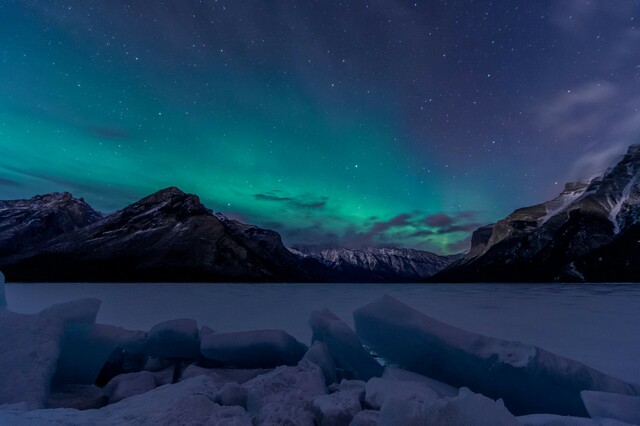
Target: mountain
167	236
378	264
590	232
27	224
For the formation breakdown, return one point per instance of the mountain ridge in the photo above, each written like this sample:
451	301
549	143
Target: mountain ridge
590	232
167	236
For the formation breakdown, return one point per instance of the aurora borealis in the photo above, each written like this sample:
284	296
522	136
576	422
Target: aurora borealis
335	123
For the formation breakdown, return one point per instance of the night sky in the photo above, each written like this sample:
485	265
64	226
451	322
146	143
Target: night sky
352	123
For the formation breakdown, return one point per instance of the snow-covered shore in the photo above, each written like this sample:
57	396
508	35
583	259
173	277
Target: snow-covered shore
60	367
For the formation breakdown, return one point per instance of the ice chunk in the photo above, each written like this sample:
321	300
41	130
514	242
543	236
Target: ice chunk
366	418
76	314
442	389
229	416
130	384
232	394
85	352
174	339
301	384
253	349
378	390
319	354
80	397
29	353
188	402
164	377
357	386
289	411
467	408
529	379
336	409
86	346
612	406
344	345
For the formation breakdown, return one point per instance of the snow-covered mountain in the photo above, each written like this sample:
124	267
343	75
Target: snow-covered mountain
378	264
167	236
26	224
590	232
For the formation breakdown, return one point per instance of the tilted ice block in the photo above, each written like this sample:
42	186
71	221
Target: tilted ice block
253	349
75	314
529	379
344	345
85	352
612	406
28	356
319	354
174	339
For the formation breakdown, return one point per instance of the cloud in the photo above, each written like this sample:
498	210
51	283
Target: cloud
567	111
299	202
577	17
594	163
8	182
597	119
438	220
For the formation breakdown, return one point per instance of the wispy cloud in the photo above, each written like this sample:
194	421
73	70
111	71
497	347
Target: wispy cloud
298	201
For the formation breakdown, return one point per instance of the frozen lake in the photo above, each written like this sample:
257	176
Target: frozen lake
594	323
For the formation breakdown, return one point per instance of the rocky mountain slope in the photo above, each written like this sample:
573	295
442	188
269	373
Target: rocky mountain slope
167	236
26	224
378	264
590	232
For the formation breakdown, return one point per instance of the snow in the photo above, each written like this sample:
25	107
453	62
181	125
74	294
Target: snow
232	394
229	416
441	389
252	349
530	379
366	418
188	402
285	385
616	205
612	406
130	384
28	357
344	345
557	420
467	408
80	397
379	390
222	375
177	338
336	409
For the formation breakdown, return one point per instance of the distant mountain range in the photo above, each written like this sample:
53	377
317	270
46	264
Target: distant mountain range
170	236
590	232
